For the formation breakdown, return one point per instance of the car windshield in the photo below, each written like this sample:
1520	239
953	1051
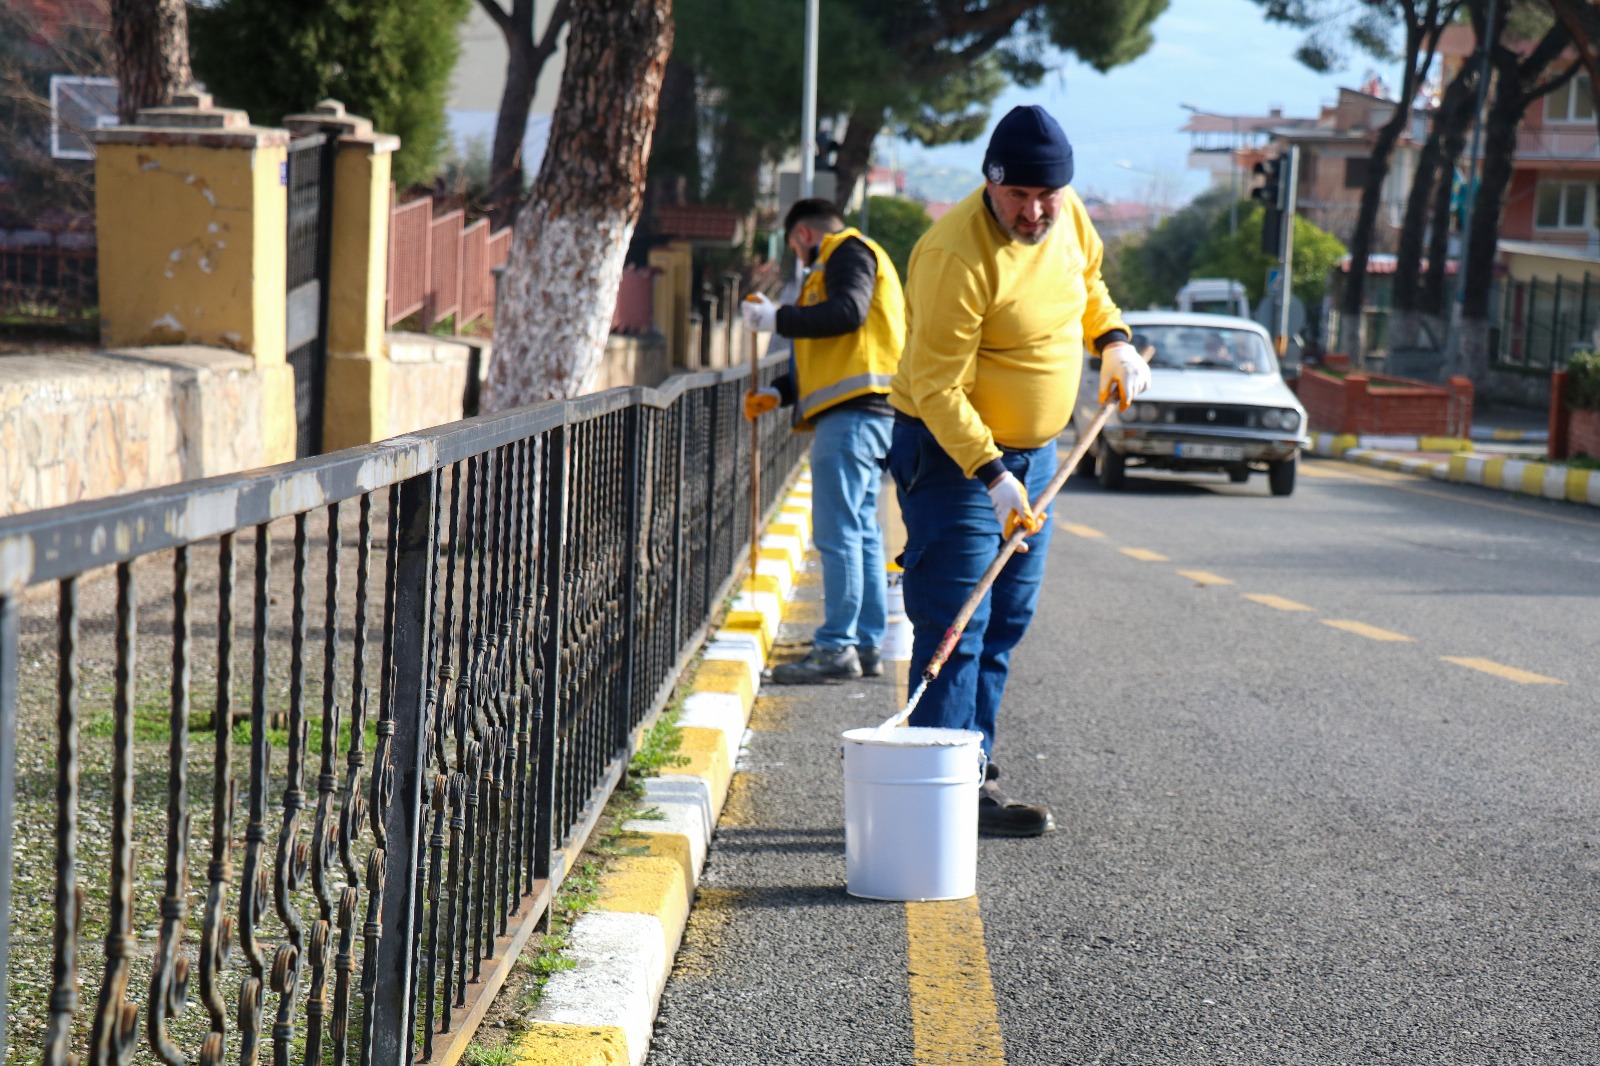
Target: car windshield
1204	348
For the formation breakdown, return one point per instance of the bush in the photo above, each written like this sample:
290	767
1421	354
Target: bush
1583	382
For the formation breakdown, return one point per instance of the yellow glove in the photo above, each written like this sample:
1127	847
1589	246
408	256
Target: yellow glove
758	402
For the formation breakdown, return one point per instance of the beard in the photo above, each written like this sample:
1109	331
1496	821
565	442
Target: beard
1037	236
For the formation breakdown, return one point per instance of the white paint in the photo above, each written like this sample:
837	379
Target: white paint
205	264
150	164
205	190
16	563
1555	482
402	458
206	515
684	804
295	494
211	228
166	321
621	966
1511	475
722	711
557	298
188	179
221	244
177	254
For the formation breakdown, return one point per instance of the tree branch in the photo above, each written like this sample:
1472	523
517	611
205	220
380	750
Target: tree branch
1001	16
499	16
559	15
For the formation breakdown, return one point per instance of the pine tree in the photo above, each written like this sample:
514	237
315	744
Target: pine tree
389	60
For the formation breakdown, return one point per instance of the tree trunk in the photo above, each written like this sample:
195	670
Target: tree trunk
1581	19
151	38
1499	146
559	290
1454	110
1435	288
524	65
1371	200
855	154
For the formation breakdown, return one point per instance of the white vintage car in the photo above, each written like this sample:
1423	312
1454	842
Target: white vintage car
1217	403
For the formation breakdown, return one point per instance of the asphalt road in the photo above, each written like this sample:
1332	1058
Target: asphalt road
1353	820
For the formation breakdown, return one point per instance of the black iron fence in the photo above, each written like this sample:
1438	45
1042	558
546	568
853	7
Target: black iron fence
313	745
1543	321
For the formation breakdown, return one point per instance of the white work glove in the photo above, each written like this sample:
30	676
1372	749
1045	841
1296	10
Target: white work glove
1120	363
1010	500
760	313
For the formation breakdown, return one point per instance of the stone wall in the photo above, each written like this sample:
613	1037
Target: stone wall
75	426
427	381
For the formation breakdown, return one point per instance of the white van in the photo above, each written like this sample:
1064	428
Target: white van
1214	296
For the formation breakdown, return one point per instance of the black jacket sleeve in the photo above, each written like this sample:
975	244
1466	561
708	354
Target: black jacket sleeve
850	275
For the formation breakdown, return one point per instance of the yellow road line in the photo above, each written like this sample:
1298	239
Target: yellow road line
1144	555
1368	473
1361	629
1204	577
954	1019
1080	531
1278	602
1510	673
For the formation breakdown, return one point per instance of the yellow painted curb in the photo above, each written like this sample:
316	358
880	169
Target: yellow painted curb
669	847
1492	471
781	555
705	754
1533	479
752	622
554	1044
720	675
763	583
784	529
648	884
1458	468
1578	485
1343	442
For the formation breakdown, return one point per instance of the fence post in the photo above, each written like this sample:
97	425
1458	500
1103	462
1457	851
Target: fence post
1527	327
552	546
1560	417
10	663
632	437
1555	325
393	1006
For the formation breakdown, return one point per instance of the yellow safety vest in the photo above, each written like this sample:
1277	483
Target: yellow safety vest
831	370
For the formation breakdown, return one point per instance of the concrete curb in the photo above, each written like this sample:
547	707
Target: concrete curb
1550	481
601	1012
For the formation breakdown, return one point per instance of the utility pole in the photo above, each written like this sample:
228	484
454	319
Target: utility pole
808	107
1286	275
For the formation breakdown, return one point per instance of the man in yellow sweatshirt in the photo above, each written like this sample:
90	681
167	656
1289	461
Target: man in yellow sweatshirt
1002	294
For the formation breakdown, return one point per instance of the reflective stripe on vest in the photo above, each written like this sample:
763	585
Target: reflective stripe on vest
843	388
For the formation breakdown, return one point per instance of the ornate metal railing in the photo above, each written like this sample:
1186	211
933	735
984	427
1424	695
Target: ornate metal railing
384	692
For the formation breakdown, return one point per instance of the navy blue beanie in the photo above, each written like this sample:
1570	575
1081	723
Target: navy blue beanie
1028	148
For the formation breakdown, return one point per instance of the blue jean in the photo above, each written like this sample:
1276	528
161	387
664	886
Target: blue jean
952	536
848	455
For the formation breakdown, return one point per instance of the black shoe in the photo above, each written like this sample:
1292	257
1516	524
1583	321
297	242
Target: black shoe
999	815
819	667
871	661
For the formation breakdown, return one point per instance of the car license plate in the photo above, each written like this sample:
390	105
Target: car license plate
1208	451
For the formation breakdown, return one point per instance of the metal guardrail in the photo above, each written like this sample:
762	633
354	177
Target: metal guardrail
529	586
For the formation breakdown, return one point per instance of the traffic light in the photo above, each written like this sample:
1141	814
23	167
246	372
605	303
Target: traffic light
1264	183
1266	190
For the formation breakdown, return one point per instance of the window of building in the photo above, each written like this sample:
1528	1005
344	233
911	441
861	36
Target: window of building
1565	205
1573	102
1355	171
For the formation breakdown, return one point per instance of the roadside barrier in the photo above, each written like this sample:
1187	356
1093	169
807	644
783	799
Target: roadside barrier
401	728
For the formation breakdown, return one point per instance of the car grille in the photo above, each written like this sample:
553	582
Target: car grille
1210	415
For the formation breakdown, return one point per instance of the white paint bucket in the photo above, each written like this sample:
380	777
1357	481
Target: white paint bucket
911	812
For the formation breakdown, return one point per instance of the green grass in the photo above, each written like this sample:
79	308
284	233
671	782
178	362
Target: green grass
1583	462
484	1056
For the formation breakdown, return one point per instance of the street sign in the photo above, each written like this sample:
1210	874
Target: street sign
1275	281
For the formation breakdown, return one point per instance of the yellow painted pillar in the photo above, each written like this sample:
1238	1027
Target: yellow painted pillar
356	400
191	210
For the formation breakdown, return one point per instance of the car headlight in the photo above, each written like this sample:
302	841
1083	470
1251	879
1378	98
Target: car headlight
1290	419
1145	412
1271	419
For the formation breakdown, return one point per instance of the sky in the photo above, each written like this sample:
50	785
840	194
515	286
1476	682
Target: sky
1219	55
